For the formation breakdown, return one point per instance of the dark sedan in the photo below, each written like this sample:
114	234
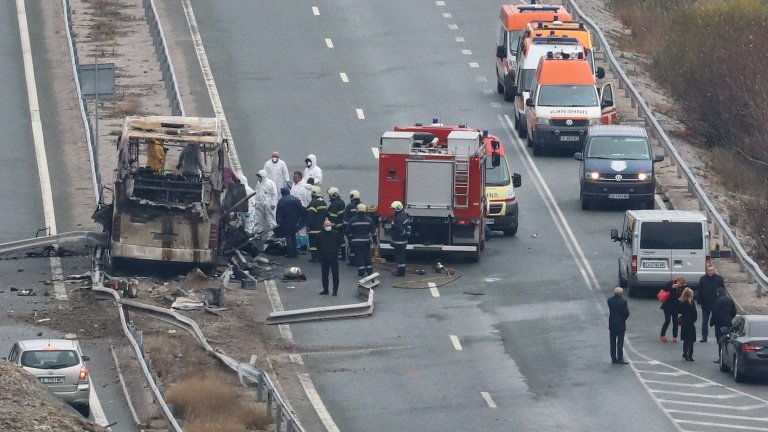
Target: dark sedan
744	350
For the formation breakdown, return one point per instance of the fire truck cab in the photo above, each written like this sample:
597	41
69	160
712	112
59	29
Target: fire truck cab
441	183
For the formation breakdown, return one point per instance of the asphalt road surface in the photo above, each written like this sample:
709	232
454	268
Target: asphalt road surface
520	342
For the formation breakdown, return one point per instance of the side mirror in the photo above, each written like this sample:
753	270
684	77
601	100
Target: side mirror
495	145
495	159
529	102
658	158
85	358
578	156
615	235
600	72
517	180
500	52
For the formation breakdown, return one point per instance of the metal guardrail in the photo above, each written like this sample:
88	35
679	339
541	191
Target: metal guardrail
323	313
166	66
90	237
746	263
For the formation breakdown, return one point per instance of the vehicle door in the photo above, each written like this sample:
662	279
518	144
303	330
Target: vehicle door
530	112
626	244
501	54
607	105
654	259
688	249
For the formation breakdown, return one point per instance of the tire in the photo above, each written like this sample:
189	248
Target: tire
622	281
508	96
632	290
738	375
522	132
585	204
650	204
538	150
723	367
529	140
474	256
84	410
509	232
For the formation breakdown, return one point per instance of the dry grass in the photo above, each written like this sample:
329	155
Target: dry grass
104	29
107	8
176	358
126	106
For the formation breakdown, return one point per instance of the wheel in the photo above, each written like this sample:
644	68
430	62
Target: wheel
649	204
521	131
585	204
84	410
622	281
508	95
738	375
510	231
474	256
529	140
723	367
499	87
538	150
632	290
517	122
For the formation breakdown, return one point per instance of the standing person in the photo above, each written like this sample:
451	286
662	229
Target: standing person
156	153
312	170
249	217
328	249
336	208
723	311
362	232
316	213
617	325
688	316
266	202
290	216
349	211
401	230
706	295
301	190
675	289
277	171
191	163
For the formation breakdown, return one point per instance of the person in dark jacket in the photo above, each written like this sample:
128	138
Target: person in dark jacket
328	243
349	211
675	289
688	316
336	208
617	324
401	231
316	213
706	295
362	232
723	311
290	215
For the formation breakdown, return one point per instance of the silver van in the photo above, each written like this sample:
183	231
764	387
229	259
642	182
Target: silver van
659	245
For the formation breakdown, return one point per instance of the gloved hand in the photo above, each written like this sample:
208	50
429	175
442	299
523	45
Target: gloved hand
272	207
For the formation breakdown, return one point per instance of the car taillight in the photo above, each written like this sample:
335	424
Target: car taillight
213	237
634	264
750	348
116	228
83	377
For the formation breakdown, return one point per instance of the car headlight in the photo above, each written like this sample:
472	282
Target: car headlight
593	122
542	121
644	176
592	175
509	193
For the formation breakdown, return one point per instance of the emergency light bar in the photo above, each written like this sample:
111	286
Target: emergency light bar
536	7
555	40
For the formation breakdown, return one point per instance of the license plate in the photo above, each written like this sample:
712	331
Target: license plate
569	138
51	380
618	196
654	264
488	221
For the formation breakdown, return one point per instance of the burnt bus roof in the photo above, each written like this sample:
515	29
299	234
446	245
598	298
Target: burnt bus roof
204	131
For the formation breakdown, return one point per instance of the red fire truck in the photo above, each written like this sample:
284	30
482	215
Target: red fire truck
438	173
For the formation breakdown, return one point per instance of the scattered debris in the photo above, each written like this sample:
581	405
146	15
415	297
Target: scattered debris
26	292
473	293
84	276
187	304
43	320
293	274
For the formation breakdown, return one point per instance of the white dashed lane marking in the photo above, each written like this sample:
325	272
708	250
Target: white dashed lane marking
481	79
453	26
433	289
344	77
456	343
315	11
459	39
328	42
488	399
447	15
466	52
439	3
360	114
474	65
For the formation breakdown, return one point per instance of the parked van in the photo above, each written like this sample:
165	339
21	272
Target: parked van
513	19
617	165
659	245
568	29
533	50
564	102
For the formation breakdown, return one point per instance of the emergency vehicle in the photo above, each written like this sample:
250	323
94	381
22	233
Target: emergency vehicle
568	29
513	20
439	176
564	102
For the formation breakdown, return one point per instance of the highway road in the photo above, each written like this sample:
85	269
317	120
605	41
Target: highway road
520	342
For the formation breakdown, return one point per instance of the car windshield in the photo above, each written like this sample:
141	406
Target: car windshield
671	235
612	147
527	79
55	359
567	96
757	328
496	176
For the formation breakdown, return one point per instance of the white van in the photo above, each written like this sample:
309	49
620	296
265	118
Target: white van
659	245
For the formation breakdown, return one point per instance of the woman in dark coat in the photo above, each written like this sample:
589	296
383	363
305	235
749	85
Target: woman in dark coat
688	315
670	307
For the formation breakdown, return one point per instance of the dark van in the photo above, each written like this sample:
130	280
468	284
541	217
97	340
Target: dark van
617	165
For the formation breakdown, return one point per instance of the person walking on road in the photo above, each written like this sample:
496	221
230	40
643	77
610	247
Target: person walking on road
312	170
349	211
706	295
266	202
328	248
277	171
401	231
336	208
362	233
723	311
670	306
290	216
688	316
617	324
317	210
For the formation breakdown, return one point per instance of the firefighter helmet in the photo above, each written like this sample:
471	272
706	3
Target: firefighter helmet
354	194
361	208
397	205
316	191
333	192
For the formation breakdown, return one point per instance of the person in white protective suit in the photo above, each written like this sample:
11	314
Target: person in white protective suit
266	202
312	170
249	221
277	171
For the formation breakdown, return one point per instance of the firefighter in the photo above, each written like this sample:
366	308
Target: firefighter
336	209
317	210
349	211
362	233
156	153
401	230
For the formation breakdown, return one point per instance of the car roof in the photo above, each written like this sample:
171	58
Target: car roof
517	16
671	215
39	344
618	130
750	317
537	51
564	72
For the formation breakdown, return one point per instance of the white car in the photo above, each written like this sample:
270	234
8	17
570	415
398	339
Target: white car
59	365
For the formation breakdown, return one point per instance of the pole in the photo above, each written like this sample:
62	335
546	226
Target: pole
95	142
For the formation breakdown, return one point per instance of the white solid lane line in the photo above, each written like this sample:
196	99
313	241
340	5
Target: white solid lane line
344	77
328	42
488	399
96	408
433	289
317	403
360	114
315	11
456	343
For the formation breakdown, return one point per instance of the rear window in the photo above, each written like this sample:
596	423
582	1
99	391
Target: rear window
671	235
757	328
58	359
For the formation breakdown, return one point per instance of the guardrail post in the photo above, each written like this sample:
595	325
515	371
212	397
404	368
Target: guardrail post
269	400
260	388
289	424
278	418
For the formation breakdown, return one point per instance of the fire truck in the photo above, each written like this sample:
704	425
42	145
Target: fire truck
438	173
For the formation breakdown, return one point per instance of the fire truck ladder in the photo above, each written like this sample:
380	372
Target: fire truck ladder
461	181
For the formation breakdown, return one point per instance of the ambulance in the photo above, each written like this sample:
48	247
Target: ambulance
568	29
